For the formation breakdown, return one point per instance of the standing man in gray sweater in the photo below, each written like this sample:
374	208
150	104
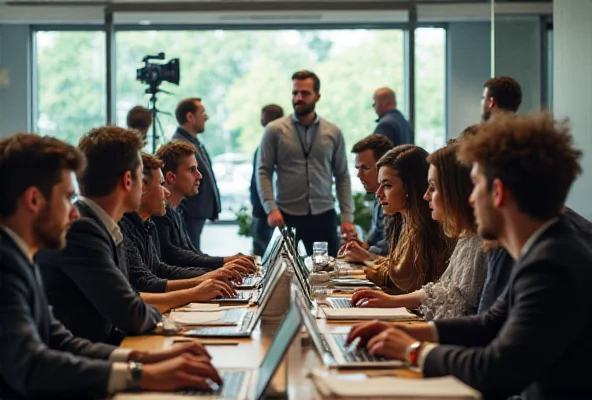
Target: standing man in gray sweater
306	152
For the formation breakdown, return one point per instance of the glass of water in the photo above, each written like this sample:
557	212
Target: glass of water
320	253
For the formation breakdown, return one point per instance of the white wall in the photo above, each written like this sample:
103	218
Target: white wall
572	97
517	54
15	95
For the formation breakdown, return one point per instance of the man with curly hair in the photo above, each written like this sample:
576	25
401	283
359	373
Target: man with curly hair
532	340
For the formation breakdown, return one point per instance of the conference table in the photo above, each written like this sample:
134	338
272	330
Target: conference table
291	380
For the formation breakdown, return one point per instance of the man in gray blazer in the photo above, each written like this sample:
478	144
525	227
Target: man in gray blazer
536	335
39	357
191	116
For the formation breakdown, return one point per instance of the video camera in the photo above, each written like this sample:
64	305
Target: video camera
154	74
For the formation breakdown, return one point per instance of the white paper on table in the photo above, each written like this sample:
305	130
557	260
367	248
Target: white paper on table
361	385
200	307
356	313
200	318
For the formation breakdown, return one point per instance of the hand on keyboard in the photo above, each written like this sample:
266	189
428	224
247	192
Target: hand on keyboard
185	371
210	289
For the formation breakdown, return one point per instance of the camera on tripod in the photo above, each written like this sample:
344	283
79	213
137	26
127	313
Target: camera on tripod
154	74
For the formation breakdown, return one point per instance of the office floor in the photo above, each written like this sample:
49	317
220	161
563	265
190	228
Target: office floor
223	240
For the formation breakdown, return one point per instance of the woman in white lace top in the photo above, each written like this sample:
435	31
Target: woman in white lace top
457	292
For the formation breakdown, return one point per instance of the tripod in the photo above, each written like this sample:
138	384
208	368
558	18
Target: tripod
152	90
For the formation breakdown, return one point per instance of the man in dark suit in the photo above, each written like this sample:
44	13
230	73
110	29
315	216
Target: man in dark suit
390	123
191	116
535	336
39	357
260	229
86	282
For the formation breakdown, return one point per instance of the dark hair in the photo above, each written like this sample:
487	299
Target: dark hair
506	91
29	160
150	163
470	130
272	112
172	153
421	244
139	118
379	144
111	151
533	156
186	106
454	184
304	74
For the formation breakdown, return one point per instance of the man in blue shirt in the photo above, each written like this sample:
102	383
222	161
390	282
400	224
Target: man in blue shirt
260	229
368	151
391	123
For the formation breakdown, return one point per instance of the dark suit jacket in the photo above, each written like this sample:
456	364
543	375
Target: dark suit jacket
87	289
536	337
39	358
176	247
206	203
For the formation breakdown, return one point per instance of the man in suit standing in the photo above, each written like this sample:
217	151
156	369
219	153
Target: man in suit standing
39	357
535	336
191	116
391	123
261	230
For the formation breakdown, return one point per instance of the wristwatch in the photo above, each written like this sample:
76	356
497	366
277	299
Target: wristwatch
412	353
135	369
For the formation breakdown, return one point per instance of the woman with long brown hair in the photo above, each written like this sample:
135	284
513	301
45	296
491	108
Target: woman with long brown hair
458	290
418	250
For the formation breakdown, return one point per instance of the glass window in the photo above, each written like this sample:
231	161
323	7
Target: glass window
430	88
236	73
71	83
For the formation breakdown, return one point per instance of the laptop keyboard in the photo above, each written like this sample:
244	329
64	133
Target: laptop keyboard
231	387
239	296
354	354
227	330
340	302
233	315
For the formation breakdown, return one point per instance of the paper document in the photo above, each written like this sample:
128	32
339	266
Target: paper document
351	282
356	313
201	318
360	385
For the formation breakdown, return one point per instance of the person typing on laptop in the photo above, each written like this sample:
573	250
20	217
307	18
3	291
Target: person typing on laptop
40	358
535	336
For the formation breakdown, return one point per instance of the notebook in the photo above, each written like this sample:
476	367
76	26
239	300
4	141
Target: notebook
356	313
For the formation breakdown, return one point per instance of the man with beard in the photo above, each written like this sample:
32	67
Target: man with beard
368	151
306	152
40	358
86	282
501	95
535	336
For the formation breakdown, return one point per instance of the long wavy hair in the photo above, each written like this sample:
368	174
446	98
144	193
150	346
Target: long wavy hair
418	249
453	182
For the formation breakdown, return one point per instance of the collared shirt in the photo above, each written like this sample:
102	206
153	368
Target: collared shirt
306	159
106	219
119	376
23	247
376	238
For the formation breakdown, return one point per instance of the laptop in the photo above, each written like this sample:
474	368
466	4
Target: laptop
239	384
267	260
245	326
331	346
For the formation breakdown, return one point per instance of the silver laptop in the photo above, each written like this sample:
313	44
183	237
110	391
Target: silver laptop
331	346
250	318
239	383
267	260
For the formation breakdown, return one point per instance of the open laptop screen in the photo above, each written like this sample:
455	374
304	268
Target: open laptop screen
283	337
